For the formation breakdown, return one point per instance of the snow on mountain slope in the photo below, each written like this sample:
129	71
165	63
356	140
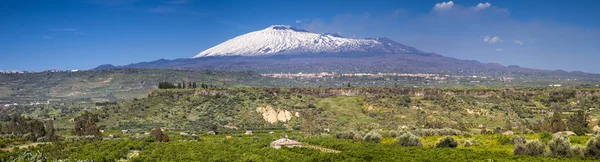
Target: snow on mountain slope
282	39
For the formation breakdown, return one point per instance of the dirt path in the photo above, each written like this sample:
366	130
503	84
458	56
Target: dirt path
322	149
10	148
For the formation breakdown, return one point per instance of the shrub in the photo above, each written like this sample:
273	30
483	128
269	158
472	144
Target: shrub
256	138
469	143
545	136
358	136
534	147
520	150
438	132
395	134
560	145
527	131
504	140
409	139
577	151
518	140
372	137
344	135
447	141
592	147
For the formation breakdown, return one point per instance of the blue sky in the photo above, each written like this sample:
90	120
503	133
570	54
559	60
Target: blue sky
41	35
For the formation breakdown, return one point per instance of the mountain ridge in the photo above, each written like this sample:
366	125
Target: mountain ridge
286	49
288	40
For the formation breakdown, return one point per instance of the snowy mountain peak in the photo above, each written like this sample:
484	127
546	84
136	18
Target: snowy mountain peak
288	40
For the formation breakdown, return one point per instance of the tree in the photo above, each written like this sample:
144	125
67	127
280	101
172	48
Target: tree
50	131
308	122
508	125
348	84
183	85
159	135
194	85
86	125
178	85
556	123
578	123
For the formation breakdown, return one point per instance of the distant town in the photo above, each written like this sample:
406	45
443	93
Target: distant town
420	75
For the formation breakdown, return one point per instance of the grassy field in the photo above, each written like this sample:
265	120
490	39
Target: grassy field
234	146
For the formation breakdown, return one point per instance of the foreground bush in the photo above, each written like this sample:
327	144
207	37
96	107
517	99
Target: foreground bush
577	151
560	146
518	140
534	147
592	147
373	137
409	139
447	141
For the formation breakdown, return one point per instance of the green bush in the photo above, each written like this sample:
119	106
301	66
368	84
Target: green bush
518	140
534	147
504	140
545	136
577	151
592	147
447	141
409	139
344	135
520	150
559	146
373	136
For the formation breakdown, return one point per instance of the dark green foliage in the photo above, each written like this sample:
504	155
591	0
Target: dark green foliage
28	128
545	136
447	141
504	140
578	123
556	123
85	125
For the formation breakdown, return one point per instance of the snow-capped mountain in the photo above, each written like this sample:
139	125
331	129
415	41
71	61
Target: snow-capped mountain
283	39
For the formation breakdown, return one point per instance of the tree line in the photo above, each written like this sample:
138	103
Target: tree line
183	85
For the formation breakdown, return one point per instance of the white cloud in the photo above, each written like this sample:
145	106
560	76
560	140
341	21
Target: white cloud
499	49
443	6
491	40
519	42
482	6
298	21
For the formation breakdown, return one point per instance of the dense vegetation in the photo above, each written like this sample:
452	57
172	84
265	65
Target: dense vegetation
358	124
